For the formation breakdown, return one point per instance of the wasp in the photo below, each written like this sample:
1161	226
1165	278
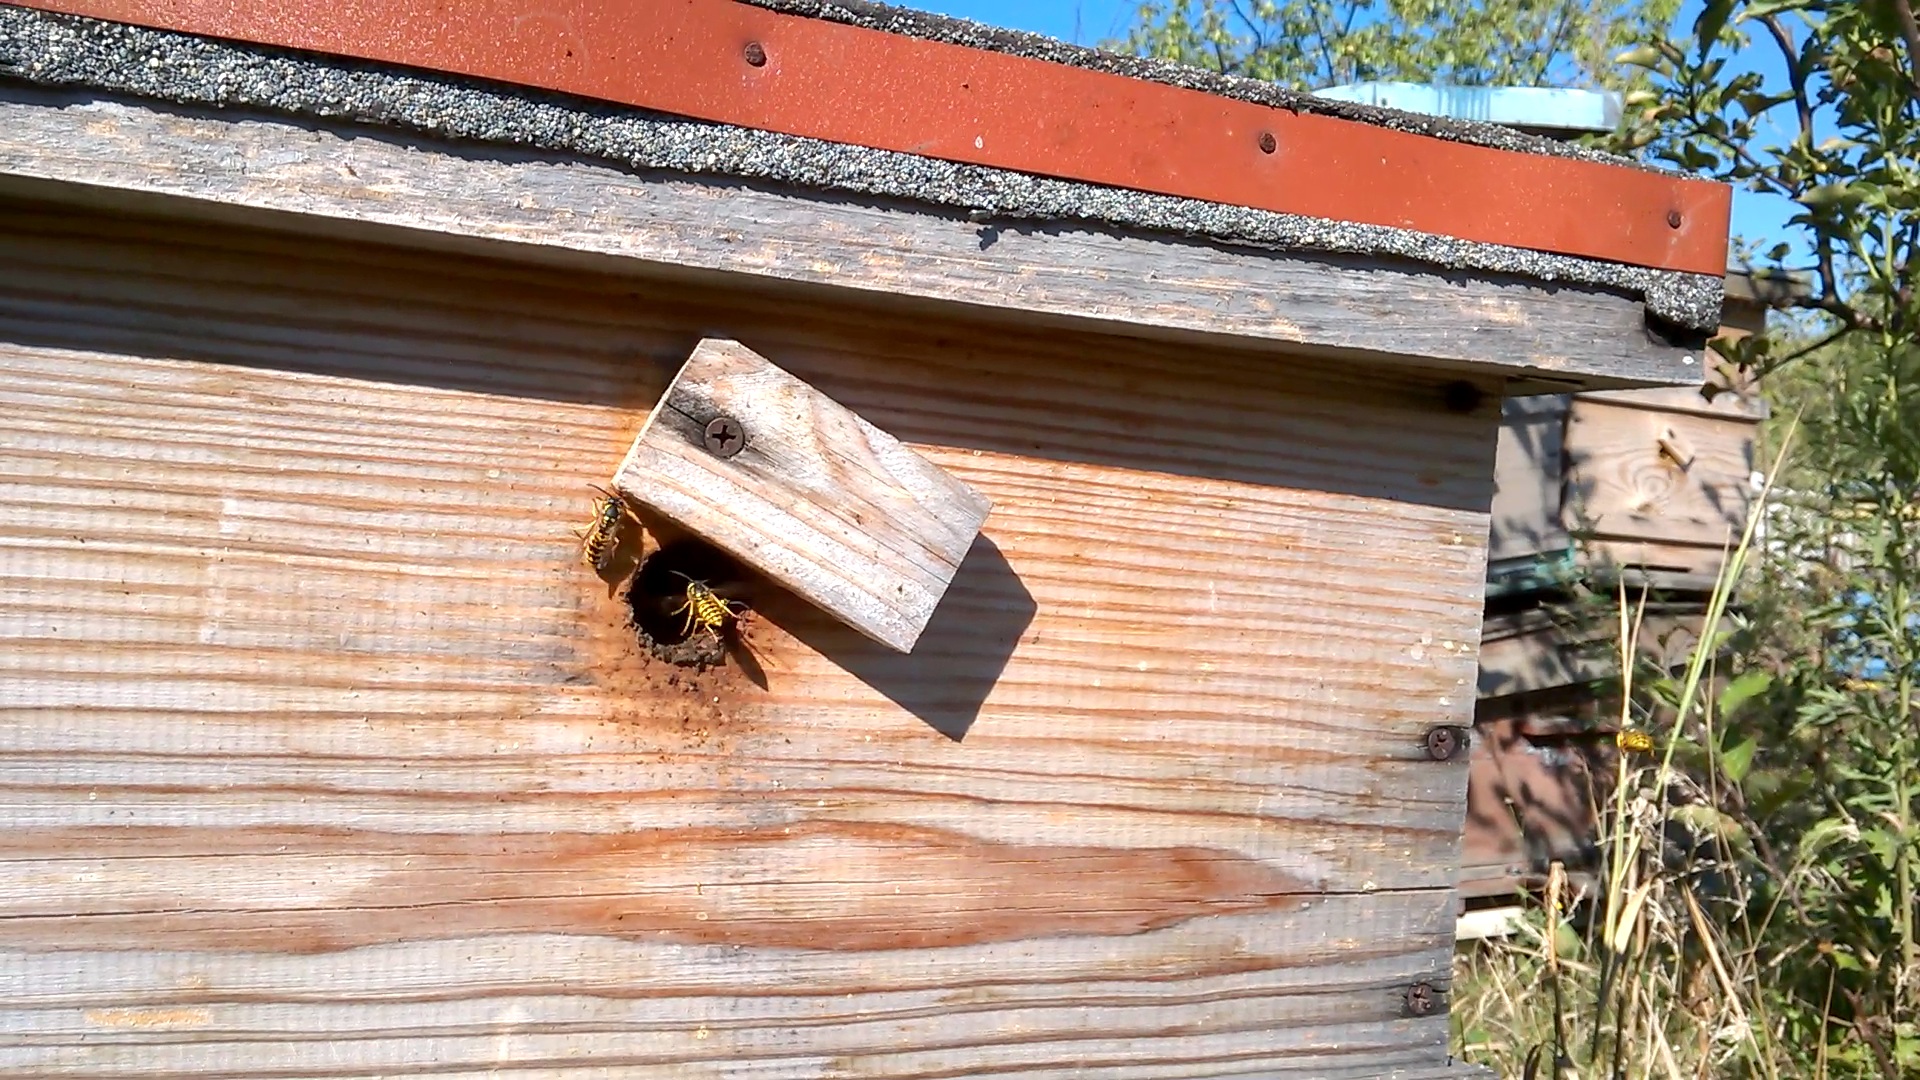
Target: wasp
705	607
1633	742
602	537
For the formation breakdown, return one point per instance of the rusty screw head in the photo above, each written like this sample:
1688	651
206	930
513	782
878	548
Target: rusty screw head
1421	999
1443	743
755	53
725	437
1268	144
1673	219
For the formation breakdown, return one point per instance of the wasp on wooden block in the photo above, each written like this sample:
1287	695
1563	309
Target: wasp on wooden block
602	537
705	607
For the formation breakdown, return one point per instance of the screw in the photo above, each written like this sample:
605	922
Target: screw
1445	742
724	437
1673	219
1461	397
756	54
1268	144
1420	999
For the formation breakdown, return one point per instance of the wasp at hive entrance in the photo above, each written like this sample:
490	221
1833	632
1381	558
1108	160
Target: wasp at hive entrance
602	537
705	607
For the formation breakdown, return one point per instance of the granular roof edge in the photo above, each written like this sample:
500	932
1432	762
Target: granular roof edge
70	51
955	31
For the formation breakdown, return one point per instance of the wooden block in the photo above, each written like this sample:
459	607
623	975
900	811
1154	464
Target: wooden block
1639	470
818	500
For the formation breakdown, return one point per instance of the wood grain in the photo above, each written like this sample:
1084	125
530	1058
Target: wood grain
1533	650
1734	404
474	199
1641	474
1528	479
322	755
816	500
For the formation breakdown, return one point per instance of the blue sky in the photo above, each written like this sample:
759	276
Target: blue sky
1760	219
1084	22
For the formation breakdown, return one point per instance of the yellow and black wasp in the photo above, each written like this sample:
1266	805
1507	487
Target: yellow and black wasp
1633	741
602	538
704	607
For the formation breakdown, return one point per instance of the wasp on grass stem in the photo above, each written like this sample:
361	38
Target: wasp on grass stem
1633	742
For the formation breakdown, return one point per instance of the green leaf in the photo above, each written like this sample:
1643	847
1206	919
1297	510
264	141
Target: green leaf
1644	56
1737	759
1824	834
1827	195
1713	19
1744	688
1762	8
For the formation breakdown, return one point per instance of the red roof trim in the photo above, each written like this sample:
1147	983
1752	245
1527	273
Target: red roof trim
851	84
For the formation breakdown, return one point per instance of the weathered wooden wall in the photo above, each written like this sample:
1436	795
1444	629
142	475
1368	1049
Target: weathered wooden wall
323	755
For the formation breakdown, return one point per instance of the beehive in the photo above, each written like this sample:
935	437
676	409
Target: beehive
330	757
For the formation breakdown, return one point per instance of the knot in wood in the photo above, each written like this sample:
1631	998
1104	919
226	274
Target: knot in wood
1461	397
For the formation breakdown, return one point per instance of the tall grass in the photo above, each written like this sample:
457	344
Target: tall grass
1664	971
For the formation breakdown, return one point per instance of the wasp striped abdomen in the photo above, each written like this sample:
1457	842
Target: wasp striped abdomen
704	607
1633	741
602	537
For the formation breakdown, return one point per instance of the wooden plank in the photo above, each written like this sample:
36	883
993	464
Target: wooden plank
1527	479
1746	404
1662	477
1679	567
1531	650
809	494
554	1006
942	96
1530	803
1528	651
314	179
325	756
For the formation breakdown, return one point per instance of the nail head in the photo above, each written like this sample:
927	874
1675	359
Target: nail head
1268	144
756	54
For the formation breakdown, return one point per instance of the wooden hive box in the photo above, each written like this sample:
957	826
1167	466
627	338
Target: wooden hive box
1652	483
326	755
1649	486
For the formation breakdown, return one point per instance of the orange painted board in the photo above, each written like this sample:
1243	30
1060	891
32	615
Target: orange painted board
849	84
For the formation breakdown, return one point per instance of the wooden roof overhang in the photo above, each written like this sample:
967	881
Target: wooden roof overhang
770	71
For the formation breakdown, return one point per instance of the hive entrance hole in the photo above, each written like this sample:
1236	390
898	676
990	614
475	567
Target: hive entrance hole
659	594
